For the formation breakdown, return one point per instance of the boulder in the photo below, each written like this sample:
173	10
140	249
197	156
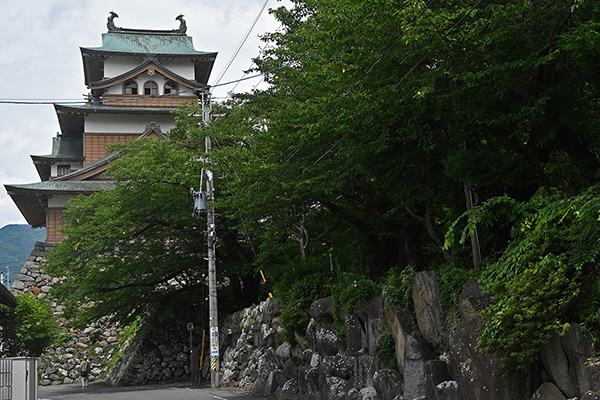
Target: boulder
368	393
355	335
415	374
475	371
340	365
565	358
593	372
375	325
590	395
322	310
335	388
427	302
388	384
548	391
309	382
290	390
401	324
437	386
286	359
472	300
327	340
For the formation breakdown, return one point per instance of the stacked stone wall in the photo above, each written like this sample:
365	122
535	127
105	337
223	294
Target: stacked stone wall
99	341
436	354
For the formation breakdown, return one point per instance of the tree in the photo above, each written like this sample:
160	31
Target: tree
28	328
137	247
379	116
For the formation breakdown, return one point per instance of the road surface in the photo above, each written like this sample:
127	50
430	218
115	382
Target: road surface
175	391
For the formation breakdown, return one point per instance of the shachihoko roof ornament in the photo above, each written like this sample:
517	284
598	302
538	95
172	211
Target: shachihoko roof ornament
113	28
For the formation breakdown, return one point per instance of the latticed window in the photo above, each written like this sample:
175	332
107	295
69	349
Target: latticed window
170	87
63	170
130	87
150	88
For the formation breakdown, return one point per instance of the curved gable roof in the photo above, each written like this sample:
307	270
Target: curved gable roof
146	66
145	43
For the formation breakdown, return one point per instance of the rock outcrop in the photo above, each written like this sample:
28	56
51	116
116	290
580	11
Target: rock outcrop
329	365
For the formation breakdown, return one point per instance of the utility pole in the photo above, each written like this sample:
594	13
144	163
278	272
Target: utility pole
212	276
212	261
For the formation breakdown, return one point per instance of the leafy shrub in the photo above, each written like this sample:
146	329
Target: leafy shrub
297	299
350	288
524	318
452	282
386	347
29	328
546	279
398	285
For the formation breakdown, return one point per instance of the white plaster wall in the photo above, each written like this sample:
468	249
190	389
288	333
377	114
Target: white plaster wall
58	201
115	66
180	67
126	123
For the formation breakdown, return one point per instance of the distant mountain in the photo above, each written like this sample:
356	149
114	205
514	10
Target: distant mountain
16	243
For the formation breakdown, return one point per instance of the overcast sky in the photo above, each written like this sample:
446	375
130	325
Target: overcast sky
40	59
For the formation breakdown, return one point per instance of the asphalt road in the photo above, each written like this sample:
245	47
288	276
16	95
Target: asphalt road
175	391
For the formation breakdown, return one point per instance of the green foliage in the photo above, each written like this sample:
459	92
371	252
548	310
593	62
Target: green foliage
296	302
361	148
386	348
546	279
452	282
534	307
398	285
29	328
138	246
349	288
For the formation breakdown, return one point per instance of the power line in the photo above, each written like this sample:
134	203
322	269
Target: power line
350	91
241	44
448	32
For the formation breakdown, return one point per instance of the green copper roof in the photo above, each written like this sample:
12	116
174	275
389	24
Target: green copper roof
64	148
136	43
55	186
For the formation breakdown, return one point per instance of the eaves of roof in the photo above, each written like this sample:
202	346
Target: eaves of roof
61	187
102	108
95	165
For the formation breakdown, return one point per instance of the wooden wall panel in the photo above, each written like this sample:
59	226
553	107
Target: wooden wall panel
94	144
164	101
53	223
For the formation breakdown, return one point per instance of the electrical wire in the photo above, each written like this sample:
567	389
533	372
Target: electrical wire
241	44
351	90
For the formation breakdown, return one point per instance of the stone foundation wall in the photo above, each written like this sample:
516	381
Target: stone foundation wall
158	353
99	341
